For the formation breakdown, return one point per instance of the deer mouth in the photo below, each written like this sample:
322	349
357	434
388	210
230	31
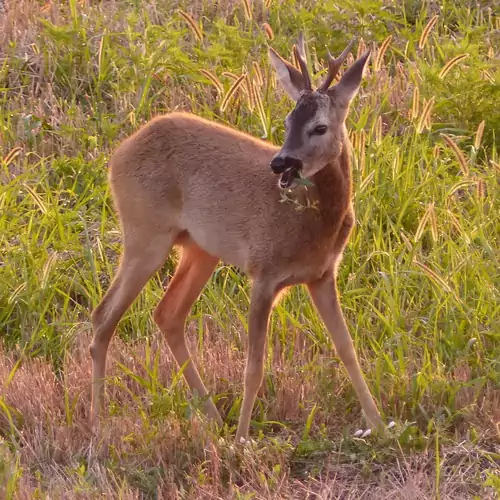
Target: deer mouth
288	176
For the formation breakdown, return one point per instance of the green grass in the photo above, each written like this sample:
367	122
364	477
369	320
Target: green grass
420	279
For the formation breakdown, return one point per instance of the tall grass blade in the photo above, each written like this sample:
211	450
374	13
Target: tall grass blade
258	73
260	108
192	24
415	108
458	154
230	93
215	81
381	52
11	155
247	9
427	30
451	63
479	135
425	116
434	276
268	31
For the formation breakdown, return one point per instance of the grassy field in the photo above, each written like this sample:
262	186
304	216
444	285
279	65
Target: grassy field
420	281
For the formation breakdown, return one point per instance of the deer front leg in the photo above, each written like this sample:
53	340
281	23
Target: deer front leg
260	308
325	298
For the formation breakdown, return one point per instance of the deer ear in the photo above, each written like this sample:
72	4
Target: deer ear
349	84
291	79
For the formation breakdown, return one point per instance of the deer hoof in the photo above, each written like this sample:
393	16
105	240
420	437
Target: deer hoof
363	433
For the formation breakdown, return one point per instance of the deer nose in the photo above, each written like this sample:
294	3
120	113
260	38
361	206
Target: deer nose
281	163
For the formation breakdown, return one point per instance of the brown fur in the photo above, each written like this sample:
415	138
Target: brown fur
182	180
164	177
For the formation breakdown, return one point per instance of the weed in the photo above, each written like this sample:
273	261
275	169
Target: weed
419	282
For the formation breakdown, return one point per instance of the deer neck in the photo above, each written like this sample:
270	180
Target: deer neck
333	185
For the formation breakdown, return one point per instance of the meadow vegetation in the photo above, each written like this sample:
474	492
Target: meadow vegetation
420	281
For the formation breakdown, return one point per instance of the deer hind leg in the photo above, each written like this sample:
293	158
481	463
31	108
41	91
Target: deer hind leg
194	270
261	304
325	297
142	257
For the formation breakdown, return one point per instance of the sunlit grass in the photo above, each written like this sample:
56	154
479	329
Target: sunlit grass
419	281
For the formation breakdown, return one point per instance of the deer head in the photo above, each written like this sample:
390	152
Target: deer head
314	130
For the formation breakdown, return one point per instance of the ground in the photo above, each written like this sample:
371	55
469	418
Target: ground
419	282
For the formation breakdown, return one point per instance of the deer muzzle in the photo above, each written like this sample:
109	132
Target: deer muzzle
287	167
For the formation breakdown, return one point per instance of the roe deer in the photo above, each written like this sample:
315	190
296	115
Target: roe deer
210	190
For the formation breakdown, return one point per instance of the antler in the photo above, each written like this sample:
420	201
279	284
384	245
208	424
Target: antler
300	54
333	67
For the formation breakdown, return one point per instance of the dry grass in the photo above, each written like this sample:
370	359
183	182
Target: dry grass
420	278
169	457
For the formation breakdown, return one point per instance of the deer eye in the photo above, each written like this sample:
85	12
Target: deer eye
319	130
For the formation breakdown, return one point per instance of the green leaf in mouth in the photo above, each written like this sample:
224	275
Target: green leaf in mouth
304	181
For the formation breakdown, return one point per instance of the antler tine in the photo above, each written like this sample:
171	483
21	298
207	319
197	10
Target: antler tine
300	54
302	44
334	66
